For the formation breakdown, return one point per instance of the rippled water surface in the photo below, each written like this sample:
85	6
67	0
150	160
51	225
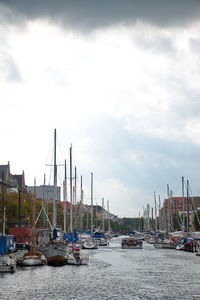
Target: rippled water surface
112	273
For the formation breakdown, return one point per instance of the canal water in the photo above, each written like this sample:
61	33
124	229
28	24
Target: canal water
112	273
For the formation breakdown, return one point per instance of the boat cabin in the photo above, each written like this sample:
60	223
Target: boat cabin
7	244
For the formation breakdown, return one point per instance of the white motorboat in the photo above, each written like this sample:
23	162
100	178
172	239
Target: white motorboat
89	243
165	244
7	263
76	258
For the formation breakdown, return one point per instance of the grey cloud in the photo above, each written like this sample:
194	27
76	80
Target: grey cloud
90	14
195	45
157	44
164	160
8	68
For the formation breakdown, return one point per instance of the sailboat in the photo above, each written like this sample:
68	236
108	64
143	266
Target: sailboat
7	246
56	249
33	257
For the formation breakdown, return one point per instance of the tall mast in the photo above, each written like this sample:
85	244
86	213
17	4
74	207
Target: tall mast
43	200
33	217
108	215
43	191
156	225
81	208
188	216
91	203
160	225
173	208
102	216
3	204
168	216
71	192
148	216
55	183
65	198
75	200
183	204
152	223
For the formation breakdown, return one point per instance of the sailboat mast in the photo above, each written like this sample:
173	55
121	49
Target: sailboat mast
148	217
168	217
188	213
75	200
91	203
65	198
108	215
156	225
102	215
55	183
33	217
160	225
81	208
71	192
183	204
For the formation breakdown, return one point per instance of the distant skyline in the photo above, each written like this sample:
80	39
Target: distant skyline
119	80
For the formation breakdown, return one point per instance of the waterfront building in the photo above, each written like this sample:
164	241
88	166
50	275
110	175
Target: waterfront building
46	192
13	183
184	207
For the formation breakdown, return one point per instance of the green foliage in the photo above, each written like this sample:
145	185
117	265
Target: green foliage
197	221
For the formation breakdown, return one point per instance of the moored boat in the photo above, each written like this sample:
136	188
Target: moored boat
55	252
89	243
76	258
32	258
7	262
165	244
131	243
100	238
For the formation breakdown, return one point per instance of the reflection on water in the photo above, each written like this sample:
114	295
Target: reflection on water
112	273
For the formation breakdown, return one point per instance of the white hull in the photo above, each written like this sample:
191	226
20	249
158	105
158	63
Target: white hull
30	259
89	244
7	264
9	268
82	260
55	249
164	246
32	262
101	241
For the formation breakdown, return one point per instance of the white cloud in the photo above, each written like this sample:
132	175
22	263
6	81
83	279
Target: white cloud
125	97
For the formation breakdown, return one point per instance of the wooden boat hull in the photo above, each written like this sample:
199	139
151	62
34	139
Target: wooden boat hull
56	260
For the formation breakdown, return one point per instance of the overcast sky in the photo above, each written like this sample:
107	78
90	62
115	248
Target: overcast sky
120	80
